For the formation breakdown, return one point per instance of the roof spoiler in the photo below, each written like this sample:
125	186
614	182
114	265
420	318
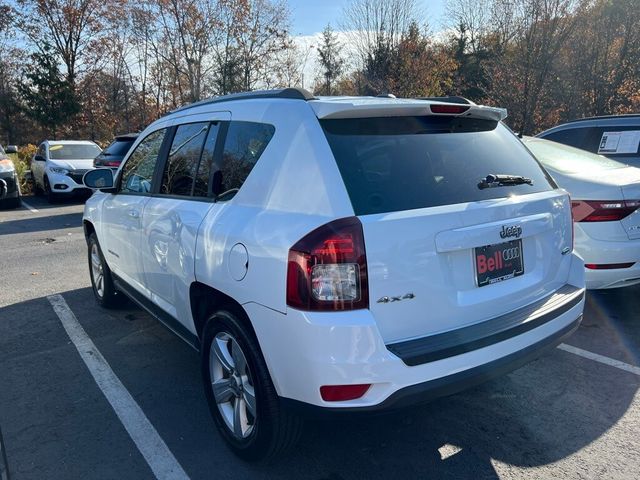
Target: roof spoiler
401	107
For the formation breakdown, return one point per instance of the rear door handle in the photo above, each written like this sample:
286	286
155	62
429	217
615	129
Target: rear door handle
134	214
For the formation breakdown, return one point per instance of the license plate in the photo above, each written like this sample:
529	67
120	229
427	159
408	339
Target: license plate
499	262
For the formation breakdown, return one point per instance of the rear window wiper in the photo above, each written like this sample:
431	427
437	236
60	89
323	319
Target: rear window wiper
492	180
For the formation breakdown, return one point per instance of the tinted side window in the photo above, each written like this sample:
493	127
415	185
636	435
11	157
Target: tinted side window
137	173
201	188
574	137
182	161
244	143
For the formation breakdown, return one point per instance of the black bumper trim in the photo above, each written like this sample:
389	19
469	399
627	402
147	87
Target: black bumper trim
444	386
462	340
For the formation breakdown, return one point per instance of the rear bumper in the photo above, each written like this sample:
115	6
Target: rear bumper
604	252
443	386
305	351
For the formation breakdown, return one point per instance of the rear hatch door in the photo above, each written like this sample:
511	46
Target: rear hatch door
443	253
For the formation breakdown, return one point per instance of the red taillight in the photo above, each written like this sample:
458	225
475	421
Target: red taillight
448	108
608	266
603	210
327	269
340	393
111	164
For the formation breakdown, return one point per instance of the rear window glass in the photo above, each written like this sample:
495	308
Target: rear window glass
566	159
402	163
119	148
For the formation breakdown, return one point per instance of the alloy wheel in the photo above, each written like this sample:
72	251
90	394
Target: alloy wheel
232	385
97	271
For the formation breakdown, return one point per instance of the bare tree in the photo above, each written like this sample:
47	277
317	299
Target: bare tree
374	25
263	32
71	27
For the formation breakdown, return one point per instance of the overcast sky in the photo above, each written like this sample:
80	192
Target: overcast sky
311	16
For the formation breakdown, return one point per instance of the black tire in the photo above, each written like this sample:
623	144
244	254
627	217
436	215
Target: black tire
103	289
37	189
274	430
8	203
51	197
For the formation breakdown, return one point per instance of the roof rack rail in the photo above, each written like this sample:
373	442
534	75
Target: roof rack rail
286	93
386	95
448	99
604	117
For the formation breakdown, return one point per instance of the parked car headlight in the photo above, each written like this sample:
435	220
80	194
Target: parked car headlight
58	170
6	166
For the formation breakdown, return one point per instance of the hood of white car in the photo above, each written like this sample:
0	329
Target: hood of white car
72	164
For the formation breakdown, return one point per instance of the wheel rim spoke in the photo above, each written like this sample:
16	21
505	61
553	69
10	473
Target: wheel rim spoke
238	358
222	390
238	415
249	397
222	354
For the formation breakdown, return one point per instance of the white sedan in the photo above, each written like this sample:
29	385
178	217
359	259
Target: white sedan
605	200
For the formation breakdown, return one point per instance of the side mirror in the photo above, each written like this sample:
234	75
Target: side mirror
100	178
11	149
39	158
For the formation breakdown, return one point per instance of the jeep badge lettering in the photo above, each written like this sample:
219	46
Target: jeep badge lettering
512	231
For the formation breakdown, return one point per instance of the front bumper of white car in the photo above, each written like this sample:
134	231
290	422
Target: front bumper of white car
70	182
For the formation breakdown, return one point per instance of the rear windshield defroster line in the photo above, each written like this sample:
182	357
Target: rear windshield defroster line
392	164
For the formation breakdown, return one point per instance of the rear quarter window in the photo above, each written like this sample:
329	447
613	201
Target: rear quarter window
403	163
243	146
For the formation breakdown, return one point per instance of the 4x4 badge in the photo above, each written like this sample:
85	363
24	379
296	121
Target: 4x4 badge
406	296
512	231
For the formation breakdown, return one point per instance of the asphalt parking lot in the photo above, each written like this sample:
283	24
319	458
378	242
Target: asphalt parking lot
575	413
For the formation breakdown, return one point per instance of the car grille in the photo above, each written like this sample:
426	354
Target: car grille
76	175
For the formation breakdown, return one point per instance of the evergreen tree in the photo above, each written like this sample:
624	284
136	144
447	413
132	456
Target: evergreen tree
48	97
331	62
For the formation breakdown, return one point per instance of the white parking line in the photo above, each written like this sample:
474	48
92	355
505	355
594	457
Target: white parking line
600	358
25	204
162	462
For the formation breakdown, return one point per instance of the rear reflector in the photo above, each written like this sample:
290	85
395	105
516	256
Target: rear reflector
448	108
608	266
603	210
340	393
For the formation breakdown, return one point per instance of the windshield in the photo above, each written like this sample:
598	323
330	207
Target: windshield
565	159
2	154
402	163
74	152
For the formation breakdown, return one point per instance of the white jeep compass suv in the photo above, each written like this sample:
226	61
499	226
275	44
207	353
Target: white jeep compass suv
336	254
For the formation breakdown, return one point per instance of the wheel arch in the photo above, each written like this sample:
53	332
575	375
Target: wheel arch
88	228
204	299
